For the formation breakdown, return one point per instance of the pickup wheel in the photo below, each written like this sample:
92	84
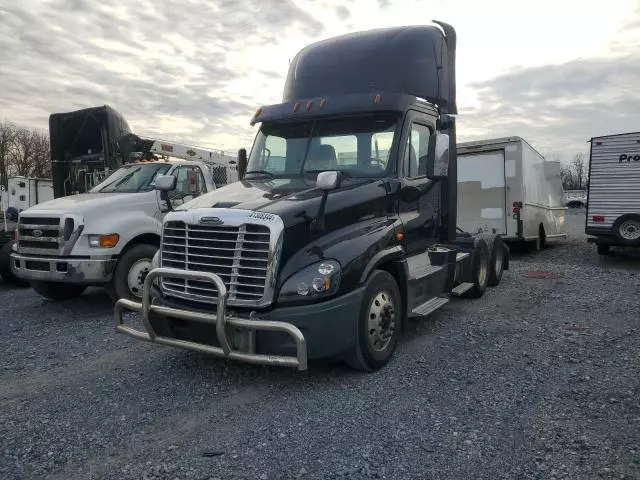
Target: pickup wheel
378	323
496	262
57	291
5	267
131	270
479	270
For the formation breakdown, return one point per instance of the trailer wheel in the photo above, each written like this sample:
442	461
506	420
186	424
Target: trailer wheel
603	249
496	262
5	267
379	323
480	270
131	270
57	291
627	229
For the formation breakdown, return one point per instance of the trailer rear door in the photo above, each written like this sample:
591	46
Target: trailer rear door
481	192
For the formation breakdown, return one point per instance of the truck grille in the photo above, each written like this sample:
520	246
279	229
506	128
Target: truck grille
239	255
40	234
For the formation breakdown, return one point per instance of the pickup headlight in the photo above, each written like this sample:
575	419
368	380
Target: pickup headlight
104	241
319	280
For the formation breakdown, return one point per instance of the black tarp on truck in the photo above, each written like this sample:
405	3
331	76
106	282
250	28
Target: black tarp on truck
84	143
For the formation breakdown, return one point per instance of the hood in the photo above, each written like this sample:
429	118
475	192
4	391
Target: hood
87	202
290	198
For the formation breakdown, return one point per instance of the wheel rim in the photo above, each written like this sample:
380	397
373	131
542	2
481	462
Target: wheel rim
630	230
499	259
382	321
137	274
482	270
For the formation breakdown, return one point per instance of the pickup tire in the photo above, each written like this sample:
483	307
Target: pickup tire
379	323
57	291
131	270
480	266
5	267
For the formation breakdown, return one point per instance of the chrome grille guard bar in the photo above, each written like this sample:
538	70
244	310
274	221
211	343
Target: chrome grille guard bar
219	319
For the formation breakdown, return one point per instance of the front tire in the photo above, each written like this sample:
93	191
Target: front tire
379	323
57	291
131	271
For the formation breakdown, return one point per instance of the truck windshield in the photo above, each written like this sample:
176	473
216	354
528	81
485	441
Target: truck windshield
358	145
131	178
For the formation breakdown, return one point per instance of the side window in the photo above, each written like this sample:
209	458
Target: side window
202	185
417	146
189	183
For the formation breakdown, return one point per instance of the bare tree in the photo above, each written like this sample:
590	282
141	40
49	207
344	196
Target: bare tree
575	175
7	134
30	153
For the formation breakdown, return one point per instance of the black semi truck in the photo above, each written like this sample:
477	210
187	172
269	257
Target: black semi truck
343	225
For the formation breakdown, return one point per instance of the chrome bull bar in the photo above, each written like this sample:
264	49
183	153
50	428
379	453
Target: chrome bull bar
219	319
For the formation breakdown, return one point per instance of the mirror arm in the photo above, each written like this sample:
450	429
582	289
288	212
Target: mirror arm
317	224
164	195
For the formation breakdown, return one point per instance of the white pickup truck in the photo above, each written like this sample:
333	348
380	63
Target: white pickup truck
106	237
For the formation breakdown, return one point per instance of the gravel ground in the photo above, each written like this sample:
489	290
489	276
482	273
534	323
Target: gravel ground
538	379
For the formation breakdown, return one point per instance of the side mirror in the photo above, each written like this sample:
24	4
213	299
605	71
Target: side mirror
328	180
438	156
242	163
166	183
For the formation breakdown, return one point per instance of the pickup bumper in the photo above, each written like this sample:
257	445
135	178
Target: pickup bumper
62	269
285	336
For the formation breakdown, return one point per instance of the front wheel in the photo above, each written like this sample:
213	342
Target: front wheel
131	271
57	291
379	323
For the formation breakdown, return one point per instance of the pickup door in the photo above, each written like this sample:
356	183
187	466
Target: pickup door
190	184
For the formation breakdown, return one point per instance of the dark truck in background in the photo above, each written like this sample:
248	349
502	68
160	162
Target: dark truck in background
343	225
85	148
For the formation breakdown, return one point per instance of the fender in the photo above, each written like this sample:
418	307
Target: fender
395	252
354	246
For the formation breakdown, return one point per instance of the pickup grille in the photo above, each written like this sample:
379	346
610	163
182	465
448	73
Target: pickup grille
239	255
40	234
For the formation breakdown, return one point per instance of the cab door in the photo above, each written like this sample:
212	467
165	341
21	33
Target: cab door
419	199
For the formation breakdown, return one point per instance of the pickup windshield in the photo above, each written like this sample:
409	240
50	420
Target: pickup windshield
359	146
131	178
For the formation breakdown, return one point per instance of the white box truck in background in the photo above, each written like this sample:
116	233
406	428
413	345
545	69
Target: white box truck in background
506	187
613	193
24	192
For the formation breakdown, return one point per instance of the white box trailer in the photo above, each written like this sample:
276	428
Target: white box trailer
613	192
24	192
505	186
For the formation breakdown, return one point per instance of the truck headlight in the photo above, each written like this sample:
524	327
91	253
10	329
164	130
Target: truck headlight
315	281
104	241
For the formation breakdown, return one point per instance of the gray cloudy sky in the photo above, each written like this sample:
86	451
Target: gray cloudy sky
553	71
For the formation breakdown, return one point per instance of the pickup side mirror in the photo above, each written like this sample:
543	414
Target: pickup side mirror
166	183
242	163
438	156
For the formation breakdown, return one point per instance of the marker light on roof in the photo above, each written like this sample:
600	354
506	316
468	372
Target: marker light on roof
296	106
377	99
309	105
323	102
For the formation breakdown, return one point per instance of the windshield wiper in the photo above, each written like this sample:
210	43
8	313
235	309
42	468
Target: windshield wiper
261	172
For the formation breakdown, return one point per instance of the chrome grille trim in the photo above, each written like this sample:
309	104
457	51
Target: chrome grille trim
51	239
243	250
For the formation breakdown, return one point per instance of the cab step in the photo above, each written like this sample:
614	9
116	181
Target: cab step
429	306
461	289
